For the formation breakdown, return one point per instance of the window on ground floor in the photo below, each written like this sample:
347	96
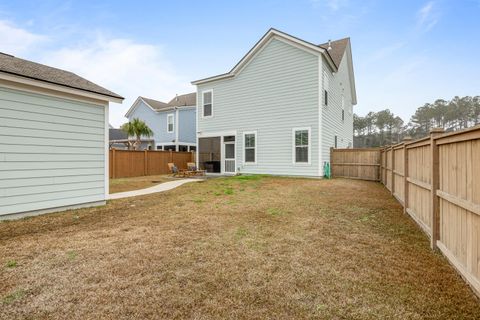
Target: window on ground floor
250	147
169	148
301	142
193	148
183	148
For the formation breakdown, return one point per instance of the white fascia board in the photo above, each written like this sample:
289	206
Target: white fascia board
311	48
58	87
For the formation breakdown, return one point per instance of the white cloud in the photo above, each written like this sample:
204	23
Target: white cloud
428	16
125	67
18	41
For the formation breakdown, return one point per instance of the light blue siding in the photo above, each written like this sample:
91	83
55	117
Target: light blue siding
157	121
187	125
276	92
52	152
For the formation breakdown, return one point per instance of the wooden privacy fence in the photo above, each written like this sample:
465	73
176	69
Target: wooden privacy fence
131	163
361	164
437	181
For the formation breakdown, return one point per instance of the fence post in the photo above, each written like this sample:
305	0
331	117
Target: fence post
171	155
393	170
145	162
406	140
113	163
435	203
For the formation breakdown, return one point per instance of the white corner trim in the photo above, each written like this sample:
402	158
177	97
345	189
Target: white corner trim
320	116
245	162
309	129
107	153
203	93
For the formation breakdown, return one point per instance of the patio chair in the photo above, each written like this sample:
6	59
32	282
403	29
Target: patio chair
179	172
193	168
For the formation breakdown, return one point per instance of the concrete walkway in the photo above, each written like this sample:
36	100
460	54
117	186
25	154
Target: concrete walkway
158	188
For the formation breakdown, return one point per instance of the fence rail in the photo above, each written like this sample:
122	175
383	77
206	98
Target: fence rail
131	163
437	181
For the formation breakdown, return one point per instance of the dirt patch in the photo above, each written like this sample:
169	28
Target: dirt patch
246	248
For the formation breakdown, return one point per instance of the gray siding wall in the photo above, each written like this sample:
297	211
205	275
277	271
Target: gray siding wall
275	92
332	123
157	121
187	125
52	152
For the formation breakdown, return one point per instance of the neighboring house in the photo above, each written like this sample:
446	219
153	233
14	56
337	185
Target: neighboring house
279	110
173	123
119	140
53	139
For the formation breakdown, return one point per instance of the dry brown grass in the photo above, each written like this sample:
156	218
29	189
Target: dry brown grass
135	183
245	248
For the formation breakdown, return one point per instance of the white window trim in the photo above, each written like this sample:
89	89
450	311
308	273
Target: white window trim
171	115
203	105
309	146
244	148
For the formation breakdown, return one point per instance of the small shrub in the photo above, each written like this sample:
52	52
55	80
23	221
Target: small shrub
228	191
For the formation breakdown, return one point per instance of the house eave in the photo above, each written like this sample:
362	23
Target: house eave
57	87
272	33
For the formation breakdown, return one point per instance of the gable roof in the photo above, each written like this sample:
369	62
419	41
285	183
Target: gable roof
272	33
155	104
189	99
117	134
184	100
338	49
36	71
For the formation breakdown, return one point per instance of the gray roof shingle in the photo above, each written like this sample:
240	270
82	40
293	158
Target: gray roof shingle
338	49
189	99
32	70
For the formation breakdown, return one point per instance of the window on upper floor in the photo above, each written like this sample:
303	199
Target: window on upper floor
326	88
207	103
170	123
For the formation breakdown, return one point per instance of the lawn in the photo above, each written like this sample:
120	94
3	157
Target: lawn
242	247
128	184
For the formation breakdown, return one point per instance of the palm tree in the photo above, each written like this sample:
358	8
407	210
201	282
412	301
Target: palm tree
136	128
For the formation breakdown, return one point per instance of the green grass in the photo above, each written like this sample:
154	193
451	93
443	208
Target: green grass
14	296
11	264
71	255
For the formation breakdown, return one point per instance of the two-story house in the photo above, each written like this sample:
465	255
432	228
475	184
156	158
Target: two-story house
279	110
173	123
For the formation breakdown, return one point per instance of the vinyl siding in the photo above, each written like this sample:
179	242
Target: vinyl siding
275	92
52	152
332	123
187	125
157	121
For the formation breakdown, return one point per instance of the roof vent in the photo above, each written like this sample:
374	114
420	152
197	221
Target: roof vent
329	45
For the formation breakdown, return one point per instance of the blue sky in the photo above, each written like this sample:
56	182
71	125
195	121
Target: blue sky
406	53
